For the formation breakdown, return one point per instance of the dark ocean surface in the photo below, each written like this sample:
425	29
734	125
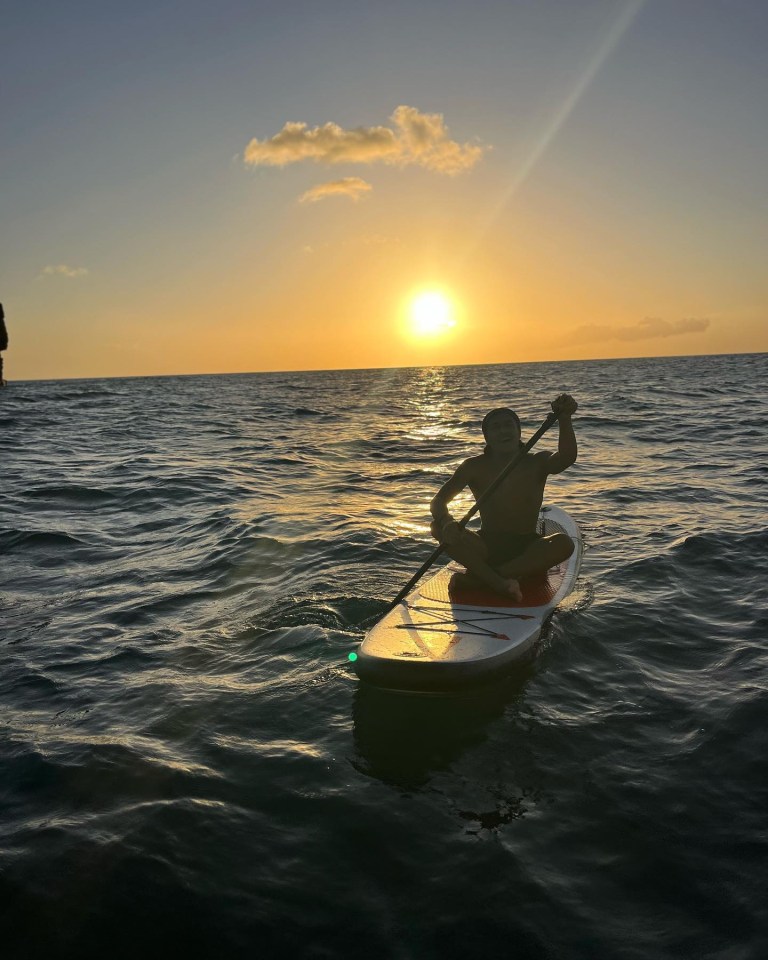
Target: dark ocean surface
188	764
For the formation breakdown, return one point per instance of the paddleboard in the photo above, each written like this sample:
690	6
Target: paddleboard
445	636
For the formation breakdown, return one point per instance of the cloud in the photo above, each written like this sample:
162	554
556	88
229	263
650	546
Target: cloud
62	270
373	239
365	240
425	140
415	138
648	329
352	187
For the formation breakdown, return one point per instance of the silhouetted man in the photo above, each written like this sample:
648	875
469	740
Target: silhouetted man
507	546
3	342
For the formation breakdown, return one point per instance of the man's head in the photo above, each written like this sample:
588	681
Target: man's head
501	429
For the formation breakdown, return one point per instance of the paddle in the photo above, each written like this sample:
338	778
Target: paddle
551	419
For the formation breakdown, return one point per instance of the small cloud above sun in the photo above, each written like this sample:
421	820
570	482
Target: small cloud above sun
430	314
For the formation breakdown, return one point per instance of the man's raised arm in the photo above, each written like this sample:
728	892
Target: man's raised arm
567	448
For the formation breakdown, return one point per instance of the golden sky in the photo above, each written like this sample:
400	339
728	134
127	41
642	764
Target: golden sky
262	191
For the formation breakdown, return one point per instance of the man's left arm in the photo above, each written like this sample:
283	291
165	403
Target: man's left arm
567	449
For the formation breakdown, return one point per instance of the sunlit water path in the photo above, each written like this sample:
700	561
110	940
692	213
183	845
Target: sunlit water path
187	762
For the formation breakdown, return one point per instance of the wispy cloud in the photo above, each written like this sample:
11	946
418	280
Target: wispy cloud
62	270
365	240
648	329
373	239
414	138
352	187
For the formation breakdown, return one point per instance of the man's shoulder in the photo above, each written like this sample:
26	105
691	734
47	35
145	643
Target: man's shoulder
475	468
473	463
467	468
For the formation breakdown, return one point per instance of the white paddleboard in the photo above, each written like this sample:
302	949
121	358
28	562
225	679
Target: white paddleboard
443	636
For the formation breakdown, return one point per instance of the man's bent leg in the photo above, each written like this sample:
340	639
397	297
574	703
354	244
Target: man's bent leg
539	557
471	551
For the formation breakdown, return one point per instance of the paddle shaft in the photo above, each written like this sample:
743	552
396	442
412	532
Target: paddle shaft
470	513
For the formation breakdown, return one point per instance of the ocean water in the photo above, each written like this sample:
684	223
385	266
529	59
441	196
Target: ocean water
189	765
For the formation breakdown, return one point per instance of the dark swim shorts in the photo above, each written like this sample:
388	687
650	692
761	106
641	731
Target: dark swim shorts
503	547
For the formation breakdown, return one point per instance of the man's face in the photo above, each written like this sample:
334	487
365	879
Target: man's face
502	432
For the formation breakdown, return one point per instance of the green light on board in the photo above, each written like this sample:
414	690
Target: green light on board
352	657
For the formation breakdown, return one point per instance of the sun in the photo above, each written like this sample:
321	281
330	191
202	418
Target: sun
431	314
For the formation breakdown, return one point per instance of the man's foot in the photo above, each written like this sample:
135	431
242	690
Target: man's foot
513	589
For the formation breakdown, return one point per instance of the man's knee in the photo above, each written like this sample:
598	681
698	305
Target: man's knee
466	546
562	545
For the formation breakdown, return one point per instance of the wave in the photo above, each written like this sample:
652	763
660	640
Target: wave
748	549
97	394
10	539
72	493
308	412
295	611
718	554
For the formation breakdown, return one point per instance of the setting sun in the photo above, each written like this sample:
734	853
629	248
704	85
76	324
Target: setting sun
431	314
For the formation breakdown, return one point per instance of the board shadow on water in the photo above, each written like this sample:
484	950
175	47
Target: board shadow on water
404	739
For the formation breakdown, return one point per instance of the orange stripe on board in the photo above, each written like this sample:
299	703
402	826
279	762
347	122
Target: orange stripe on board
537	591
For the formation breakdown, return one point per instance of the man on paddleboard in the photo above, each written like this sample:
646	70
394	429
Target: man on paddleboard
507	547
3	343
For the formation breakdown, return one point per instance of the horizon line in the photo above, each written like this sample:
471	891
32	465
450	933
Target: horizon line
415	366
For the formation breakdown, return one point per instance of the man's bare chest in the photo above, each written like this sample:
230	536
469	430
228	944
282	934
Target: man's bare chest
524	481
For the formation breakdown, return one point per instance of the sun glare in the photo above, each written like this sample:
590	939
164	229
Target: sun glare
431	314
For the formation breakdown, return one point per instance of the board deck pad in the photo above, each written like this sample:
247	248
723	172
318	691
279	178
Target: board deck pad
538	591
